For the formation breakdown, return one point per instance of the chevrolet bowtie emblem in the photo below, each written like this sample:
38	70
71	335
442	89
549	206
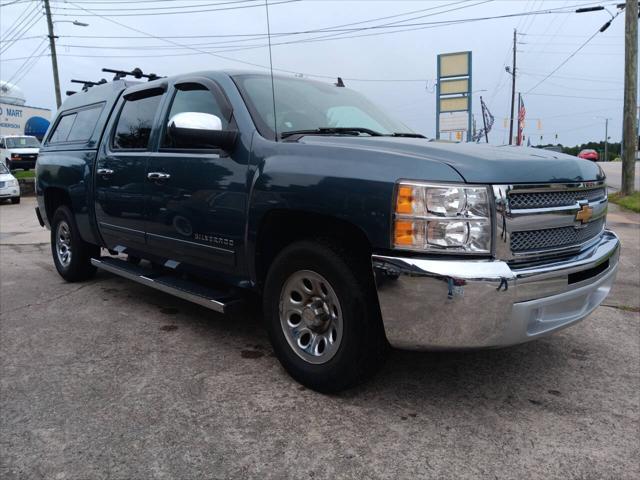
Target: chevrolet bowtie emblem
584	214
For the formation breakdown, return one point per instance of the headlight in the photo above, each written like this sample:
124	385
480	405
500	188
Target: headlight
12	183
431	217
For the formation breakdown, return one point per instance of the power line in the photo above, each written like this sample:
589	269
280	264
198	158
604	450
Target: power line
335	28
178	12
254	36
584	44
151	8
342	32
20	21
11	30
569	77
33	63
28	59
31	37
32	20
575	96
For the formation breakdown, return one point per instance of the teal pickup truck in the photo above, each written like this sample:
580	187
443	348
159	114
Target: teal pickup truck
355	232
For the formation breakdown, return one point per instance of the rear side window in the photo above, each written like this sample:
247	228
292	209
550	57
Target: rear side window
77	126
135	122
85	124
63	127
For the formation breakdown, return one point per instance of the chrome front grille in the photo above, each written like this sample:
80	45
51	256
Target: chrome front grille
542	220
562	237
552	199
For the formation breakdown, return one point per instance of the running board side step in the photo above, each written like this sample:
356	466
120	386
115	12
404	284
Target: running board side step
216	300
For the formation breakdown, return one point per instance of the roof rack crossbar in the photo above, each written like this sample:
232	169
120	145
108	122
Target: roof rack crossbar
86	84
136	73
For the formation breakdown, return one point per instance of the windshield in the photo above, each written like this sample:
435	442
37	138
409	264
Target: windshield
310	105
22	142
3	169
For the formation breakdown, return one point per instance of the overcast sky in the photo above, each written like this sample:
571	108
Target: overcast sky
572	103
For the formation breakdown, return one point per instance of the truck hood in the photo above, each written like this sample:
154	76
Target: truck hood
5	177
478	163
28	150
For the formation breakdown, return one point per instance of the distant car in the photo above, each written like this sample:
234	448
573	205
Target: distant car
19	151
9	186
589	154
553	148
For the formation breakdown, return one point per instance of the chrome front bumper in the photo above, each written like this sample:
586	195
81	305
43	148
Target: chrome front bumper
456	304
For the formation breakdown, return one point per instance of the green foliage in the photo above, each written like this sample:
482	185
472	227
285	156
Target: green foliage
632	202
614	149
24	174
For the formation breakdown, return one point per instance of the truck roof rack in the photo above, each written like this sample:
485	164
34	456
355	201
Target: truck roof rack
136	73
87	84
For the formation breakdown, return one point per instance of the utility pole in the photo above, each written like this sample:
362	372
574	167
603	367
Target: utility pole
606	139
513	86
630	127
54	58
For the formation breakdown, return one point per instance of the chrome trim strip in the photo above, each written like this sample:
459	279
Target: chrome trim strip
187	242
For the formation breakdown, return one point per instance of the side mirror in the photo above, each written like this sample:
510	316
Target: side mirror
200	130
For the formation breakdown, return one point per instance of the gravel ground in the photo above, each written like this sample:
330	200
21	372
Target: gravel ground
109	379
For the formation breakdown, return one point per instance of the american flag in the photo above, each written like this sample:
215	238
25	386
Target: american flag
521	114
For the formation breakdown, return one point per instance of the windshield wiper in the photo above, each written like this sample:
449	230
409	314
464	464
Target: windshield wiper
407	135
332	131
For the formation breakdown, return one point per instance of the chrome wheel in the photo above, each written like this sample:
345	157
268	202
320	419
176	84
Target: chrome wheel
310	316
63	243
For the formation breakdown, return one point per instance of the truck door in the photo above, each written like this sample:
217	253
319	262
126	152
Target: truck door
197	199
121	184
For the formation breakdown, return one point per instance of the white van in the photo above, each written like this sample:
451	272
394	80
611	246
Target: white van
19	151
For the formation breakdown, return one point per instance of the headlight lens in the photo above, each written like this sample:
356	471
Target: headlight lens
454	218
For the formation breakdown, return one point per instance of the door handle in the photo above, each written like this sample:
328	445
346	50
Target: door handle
105	172
158	176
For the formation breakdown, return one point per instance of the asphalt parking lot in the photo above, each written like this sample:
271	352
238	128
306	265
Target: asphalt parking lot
111	380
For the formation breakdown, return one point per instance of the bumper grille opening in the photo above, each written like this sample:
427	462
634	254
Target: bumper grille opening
553	199
532	240
589	273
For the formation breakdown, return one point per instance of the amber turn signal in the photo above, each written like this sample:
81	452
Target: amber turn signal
403	233
404	199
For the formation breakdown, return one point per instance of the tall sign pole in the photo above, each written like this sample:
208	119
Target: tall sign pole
453	96
630	126
54	58
513	86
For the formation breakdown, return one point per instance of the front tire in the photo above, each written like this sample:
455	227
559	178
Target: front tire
323	317
71	255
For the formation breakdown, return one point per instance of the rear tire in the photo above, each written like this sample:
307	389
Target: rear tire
15	200
71	255
322	315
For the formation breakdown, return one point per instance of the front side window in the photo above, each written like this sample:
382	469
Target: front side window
308	105
196	98
133	130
